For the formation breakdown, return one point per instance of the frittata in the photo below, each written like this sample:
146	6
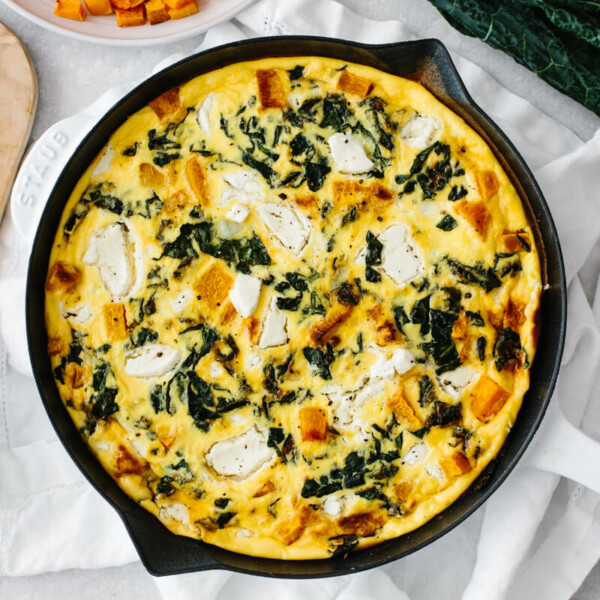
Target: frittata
292	307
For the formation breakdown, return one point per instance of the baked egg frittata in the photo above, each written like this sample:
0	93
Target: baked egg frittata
292	307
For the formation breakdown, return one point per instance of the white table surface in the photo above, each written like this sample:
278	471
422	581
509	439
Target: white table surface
72	74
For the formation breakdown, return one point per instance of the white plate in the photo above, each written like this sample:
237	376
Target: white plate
104	30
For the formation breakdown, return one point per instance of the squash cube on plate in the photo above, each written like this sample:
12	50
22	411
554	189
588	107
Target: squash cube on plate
70	9
132	17
185	10
99	7
156	12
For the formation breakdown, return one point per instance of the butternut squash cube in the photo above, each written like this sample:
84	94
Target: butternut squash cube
194	174
70	9
176	202
271	91
404	412
487	398
115	321
487	183
167	105
150	176
175	3
63	277
132	17
516	241
313	424
354	84
385	334
75	376
156	12
322	332
55	345
476	214
293	527
185	10
455	465
99	7
403	490
213	286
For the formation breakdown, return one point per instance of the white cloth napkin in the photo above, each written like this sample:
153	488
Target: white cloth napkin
532	540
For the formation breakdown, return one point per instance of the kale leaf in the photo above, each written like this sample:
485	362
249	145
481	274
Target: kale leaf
320	360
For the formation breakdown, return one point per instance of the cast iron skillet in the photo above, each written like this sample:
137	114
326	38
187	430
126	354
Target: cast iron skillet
164	553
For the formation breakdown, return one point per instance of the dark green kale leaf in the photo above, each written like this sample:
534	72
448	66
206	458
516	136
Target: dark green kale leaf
426	390
442	347
296	72
507	349
373	257
444	414
341	545
457	192
315	174
556	39
480	345
477	274
142	335
103	400
291	304
447	223
320	360
475	318
336	113
224	518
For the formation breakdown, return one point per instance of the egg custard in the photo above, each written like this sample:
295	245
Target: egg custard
292	307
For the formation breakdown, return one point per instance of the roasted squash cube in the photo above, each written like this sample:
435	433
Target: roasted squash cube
271	91
487	398
185	10
313	424
322	332
156	12
516	241
99	7
127	464
115	321
55	345
70	9
487	183
213	286
476	214
176	3
63	277
293	527
132	17
385	334
403	490
354	84
404	412
75	375
167	105
455	465
363	525
150	176
194	174
176	202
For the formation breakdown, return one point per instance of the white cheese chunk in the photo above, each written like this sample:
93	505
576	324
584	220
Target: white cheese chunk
399	257
415	455
336	506
181	300
215	370
227	229
274	327
104	162
244	186
110	250
238	213
455	382
245	294
403	360
347	403
203	113
254	361
420	131
240	456
435	471
245	533
177	511
286	225
349	154
152	360
80	314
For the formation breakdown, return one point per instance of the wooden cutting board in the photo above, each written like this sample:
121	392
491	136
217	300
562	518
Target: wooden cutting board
18	101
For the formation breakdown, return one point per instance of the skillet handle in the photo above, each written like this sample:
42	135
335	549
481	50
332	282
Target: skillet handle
565	450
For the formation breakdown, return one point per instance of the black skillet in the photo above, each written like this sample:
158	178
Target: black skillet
427	61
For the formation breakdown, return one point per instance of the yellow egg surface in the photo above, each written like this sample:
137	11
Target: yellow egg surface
292	307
